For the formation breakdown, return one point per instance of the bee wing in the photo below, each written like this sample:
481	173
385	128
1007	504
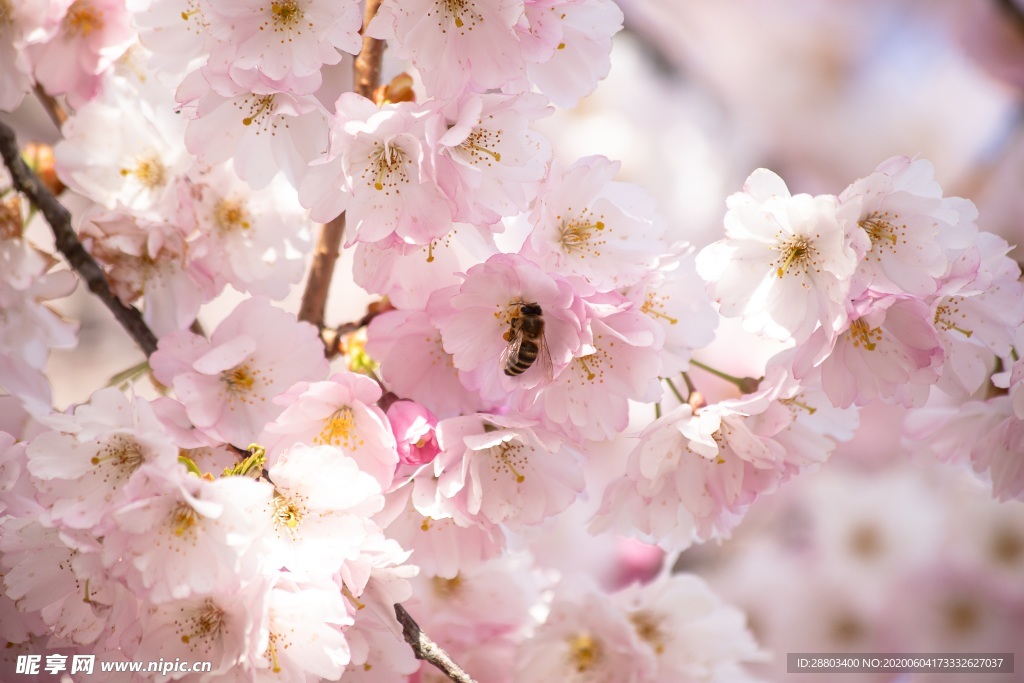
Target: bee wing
544	358
511	350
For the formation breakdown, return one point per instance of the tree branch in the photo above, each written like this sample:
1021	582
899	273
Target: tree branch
53	108
427	650
366	76
26	182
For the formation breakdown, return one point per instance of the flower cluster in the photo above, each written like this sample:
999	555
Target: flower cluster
520	375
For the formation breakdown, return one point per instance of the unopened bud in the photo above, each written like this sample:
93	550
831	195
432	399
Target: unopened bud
398	90
696	400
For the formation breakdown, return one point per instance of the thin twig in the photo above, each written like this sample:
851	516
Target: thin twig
53	108
427	650
366	73
67	242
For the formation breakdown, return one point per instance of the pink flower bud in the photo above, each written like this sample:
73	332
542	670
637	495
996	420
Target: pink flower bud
413	426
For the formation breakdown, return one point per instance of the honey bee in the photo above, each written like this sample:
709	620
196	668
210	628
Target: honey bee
526	342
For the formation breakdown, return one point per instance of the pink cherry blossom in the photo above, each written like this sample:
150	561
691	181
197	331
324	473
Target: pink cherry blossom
281	39
379	172
475	321
567	45
469	46
257	240
148	259
339	412
216	628
440	546
263	130
590	398
138	162
414	427
901	211
83	468
987	435
24	23
488	161
891	351
321	510
179	536
46	571
692	634
302	634
31	327
673	297
497	469
414	364
93	33
785	264
228	383
694	474
399	270
585	637
586	224
978	307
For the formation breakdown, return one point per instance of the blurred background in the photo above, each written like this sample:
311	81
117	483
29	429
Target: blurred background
879	551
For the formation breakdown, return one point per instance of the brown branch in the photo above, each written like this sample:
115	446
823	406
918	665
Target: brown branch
367	66
53	108
366	76
314	298
427	650
67	242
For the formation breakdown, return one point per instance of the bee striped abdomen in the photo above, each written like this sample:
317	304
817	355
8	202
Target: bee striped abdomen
521	362
525	336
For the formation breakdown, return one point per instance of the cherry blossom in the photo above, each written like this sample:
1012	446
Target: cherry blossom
987	435
585	637
691	633
283	38
380	175
488	161
414	427
321	510
891	351
414	363
468	46
210	538
673	297
475	319
567	45
498	470
148	259
440	546
900	209
92	34
590	398
786	263
31	327
263	130
82	469
228	383
24	23
216	628
586	224
262	237
140	160
339	412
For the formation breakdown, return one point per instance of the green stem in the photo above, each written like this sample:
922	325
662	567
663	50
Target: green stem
718	373
674	390
657	410
690	388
